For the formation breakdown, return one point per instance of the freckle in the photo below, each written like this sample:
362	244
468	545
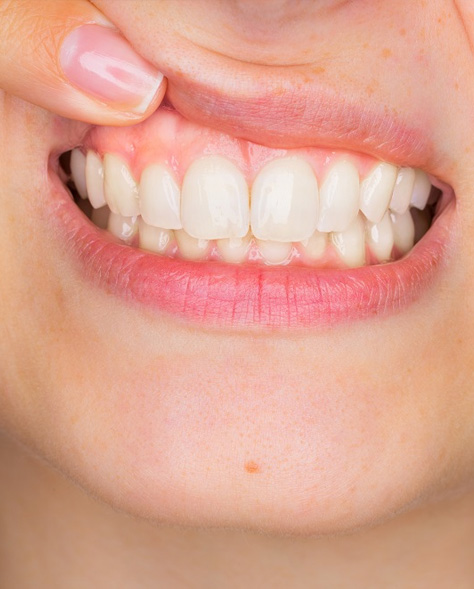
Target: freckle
252	467
319	70
403	32
386	53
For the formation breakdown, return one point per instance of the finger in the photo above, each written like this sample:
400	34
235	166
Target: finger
68	58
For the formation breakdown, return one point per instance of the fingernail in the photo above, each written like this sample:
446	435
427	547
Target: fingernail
99	61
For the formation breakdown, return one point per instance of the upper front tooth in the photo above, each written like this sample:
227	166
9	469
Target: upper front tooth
160	198
214	199
78	171
339	197
285	201
95	180
376	191
119	186
421	190
403	191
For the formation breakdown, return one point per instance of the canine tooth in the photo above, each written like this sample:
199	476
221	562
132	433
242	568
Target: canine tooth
78	171
402	191
403	231
100	217
122	227
316	245
214	199
235	249
120	187
350	244
275	252
95	180
339	197
380	238
284	201
154	239
160	198
421	190
191	248
376	191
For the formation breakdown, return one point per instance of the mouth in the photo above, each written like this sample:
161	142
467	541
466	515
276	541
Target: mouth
221	231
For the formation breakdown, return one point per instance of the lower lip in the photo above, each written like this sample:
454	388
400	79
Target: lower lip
219	295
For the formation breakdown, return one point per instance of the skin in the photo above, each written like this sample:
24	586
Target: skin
355	442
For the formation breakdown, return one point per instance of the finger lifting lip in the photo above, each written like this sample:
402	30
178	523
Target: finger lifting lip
220	295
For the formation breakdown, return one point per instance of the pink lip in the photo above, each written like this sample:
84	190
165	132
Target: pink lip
228	296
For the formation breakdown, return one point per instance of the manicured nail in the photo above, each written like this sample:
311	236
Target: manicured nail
99	61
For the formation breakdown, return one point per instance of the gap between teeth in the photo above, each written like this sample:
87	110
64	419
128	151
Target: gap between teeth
286	214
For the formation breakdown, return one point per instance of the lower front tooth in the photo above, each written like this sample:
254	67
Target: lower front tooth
350	244
275	252
120	187
380	238
234	250
191	248
403	231
154	239
122	227
316	245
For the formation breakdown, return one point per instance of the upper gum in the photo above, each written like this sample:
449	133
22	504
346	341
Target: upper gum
167	138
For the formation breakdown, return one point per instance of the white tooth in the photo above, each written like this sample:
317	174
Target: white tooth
214	199
380	238
285	201
316	245
403	231
275	252
95	180
421	190
234	250
78	171
339	197
100	217
154	239
402	191
120	187
122	227
190	247
160	198
376	191
350	244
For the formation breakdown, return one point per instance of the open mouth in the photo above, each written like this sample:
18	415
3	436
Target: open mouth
218	229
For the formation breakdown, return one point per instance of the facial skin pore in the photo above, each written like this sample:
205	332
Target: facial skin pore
304	434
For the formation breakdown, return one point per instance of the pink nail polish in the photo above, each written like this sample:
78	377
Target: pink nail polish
99	61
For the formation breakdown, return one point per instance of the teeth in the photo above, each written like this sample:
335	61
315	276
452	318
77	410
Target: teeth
122	227
95	180
421	190
285	201
120	187
403	191
234	250
275	252
154	239
380	238
339	198
350	244
376	191
191	248
403	231
315	246
214	200
160	198
78	172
